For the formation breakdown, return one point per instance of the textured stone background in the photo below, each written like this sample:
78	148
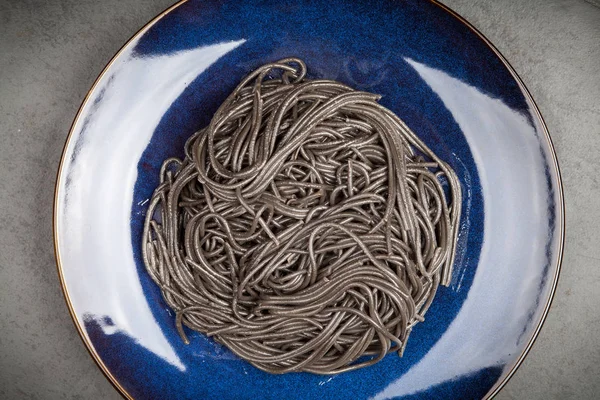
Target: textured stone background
52	51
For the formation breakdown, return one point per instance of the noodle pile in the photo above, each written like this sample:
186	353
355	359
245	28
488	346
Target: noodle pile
307	227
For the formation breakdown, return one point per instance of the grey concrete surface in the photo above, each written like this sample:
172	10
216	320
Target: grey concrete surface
50	54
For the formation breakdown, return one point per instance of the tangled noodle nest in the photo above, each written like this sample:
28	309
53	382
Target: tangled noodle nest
307	227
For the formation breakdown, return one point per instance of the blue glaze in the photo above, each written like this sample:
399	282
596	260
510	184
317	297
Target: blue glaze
433	71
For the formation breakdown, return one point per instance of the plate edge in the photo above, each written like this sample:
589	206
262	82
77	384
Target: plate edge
560	192
88	345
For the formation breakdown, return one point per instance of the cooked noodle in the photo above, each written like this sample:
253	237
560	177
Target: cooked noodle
307	227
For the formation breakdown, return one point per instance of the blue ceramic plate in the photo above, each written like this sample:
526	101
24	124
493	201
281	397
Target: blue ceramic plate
434	70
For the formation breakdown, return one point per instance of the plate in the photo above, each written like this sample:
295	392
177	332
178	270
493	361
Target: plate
436	72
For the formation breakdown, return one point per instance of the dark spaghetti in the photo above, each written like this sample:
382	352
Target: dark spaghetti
307	227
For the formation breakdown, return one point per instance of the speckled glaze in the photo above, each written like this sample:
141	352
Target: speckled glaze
434	71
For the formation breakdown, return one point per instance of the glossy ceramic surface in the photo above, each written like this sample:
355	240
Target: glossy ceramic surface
434	71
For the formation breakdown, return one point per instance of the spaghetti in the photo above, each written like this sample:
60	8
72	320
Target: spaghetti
307	227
